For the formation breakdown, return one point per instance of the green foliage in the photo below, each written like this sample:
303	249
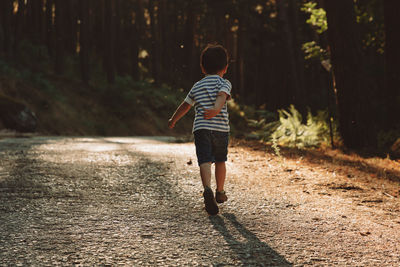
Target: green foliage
33	56
6	69
275	147
37	79
317	16
319	22
239	115
370	18
312	50
291	131
128	98
265	125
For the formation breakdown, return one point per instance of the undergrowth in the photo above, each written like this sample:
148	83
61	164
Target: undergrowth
291	131
66	106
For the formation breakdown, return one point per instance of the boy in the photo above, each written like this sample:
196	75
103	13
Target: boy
211	123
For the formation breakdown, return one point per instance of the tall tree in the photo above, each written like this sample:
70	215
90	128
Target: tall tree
70	10
98	29
59	36
19	24
154	54
119	37
242	34
392	59
353	90
84	37
6	16
49	26
136	35
164	28
188	42
35	20
109	40
288	35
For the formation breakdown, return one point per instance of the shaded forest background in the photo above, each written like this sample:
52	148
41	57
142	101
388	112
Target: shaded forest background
120	67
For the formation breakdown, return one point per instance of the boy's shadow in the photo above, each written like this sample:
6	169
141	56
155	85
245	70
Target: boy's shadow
251	252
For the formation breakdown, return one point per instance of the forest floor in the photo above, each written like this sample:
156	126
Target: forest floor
138	202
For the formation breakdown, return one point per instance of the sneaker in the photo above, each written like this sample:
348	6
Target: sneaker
209	201
220	197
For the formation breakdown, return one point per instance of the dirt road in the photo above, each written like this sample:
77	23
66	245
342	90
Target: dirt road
138	202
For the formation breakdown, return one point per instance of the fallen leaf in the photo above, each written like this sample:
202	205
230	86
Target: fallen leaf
365	233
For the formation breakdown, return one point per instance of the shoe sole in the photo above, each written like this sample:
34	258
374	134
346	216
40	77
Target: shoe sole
220	201
209	201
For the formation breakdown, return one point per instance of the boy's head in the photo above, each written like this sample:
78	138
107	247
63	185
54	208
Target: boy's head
213	59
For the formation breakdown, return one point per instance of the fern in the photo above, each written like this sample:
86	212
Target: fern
291	131
276	148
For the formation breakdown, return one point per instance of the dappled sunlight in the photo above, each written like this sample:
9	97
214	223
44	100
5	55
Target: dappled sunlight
87	150
80	144
140	139
168	150
88	158
108	150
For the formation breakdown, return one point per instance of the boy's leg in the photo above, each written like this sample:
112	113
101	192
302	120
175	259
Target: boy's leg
204	157
209	199
205	173
220	150
220	174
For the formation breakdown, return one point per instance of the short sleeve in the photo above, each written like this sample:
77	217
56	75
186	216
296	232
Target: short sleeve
190	98
226	87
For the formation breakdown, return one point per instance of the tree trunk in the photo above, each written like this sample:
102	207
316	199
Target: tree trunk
353	90
154	43
49	26
296	46
189	42
84	39
241	55
109	39
35	11
99	29
6	15
135	49
165	28
70	26
290	57
391	94
137	32
59	36
19	24
119	38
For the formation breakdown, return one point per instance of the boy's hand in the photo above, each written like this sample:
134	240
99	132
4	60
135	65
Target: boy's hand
171	123
210	113
219	102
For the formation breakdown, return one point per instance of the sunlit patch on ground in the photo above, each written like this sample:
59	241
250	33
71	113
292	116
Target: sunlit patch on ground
79	144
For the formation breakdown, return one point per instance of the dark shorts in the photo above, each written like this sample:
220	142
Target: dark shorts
211	146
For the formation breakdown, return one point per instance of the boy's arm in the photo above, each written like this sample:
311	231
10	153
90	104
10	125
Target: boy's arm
183	108
219	103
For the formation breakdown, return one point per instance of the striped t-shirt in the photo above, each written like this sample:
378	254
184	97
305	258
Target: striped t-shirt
203	95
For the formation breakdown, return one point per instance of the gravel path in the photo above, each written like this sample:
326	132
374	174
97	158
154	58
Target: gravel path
138	202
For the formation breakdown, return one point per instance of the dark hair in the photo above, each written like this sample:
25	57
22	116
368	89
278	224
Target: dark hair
213	58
